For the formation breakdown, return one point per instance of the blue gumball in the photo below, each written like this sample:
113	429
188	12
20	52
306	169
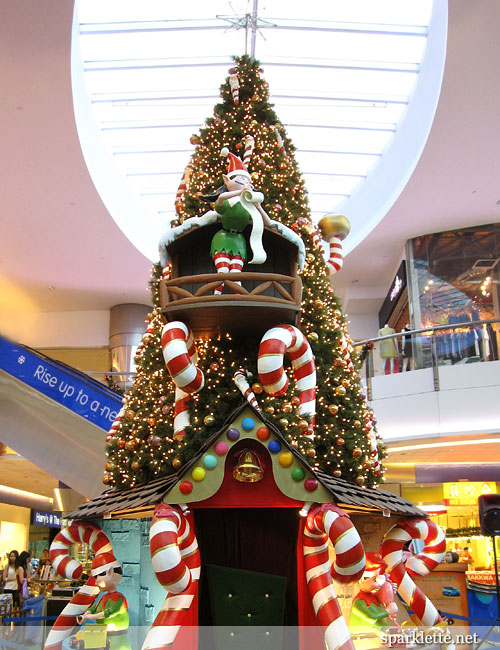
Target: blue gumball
210	461
274	446
248	424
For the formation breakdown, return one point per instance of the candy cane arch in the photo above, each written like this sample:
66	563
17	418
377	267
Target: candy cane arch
183	186
328	522
240	379
181	357
176	562
419	565
80	532
275	343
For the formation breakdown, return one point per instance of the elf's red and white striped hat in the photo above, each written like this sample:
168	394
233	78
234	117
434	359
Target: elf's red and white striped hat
102	563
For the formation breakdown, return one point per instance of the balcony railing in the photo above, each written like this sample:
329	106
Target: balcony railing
250	301
431	347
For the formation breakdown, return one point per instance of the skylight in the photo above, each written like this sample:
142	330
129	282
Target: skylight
343	76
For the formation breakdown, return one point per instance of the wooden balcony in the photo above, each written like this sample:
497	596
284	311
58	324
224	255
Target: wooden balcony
262	301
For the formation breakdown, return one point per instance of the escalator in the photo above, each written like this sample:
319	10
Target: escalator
55	416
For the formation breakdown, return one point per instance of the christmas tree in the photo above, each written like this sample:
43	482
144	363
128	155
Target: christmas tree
342	440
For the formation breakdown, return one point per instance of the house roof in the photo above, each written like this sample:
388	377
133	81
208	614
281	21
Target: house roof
139	501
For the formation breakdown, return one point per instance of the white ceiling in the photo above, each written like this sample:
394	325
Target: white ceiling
55	231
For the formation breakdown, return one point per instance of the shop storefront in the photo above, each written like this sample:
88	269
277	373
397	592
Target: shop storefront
453	279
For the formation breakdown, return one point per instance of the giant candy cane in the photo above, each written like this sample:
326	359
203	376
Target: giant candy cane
176	562
328	522
274	344
78	533
418	565
179	352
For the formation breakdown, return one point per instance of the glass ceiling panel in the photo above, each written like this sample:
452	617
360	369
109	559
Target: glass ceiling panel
341	77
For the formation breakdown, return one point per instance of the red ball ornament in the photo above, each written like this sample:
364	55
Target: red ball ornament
310	484
120	443
186	487
194	139
340	442
262	433
238	146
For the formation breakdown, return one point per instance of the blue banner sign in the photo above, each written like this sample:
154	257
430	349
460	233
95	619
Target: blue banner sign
73	389
50	519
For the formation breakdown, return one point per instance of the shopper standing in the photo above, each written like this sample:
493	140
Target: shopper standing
13	576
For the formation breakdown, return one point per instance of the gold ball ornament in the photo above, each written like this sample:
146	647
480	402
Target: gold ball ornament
177	463
303	425
314	336
357	452
295	401
287	407
129	415
310	258
107	479
311	453
208	420
254	176
257	388
270	410
337	473
130	445
284	422
194	139
255	98
135	466
340	390
319	303
151	422
333	408
360	480
334	225
357	424
337	313
345	383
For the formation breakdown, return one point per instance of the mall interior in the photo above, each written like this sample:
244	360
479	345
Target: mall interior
74	289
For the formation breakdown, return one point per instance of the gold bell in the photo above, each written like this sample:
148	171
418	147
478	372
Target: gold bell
334	225
248	468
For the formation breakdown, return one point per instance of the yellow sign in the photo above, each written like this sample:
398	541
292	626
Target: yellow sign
465	493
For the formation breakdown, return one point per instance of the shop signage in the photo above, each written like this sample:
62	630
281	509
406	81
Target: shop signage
397	287
50	519
466	493
77	392
481	577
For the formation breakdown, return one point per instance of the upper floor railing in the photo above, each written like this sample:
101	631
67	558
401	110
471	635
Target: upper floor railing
430	347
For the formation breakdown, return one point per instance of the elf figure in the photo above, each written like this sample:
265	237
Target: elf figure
373	607
237	205
110	609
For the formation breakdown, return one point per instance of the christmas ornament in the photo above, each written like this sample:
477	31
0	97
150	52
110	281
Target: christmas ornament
310	258
257	388
357	452
340	442
120	443
151	422
135	466
357	424
240	379
214	366
107	479
166	408
208	420
129	415
287	407
194	139
337	473
284	422
269	409
234	84
333	408
249	144
360	480
303	425
182	188
314	336
311	453
130	445
295	400
340	390
177	463
334	228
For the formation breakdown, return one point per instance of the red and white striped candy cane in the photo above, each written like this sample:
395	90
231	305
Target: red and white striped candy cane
234	84
274	344
372	438
116	424
418	565
181	357
249	144
328	522
336	259
176	562
182	186
78	533
279	139
240	379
